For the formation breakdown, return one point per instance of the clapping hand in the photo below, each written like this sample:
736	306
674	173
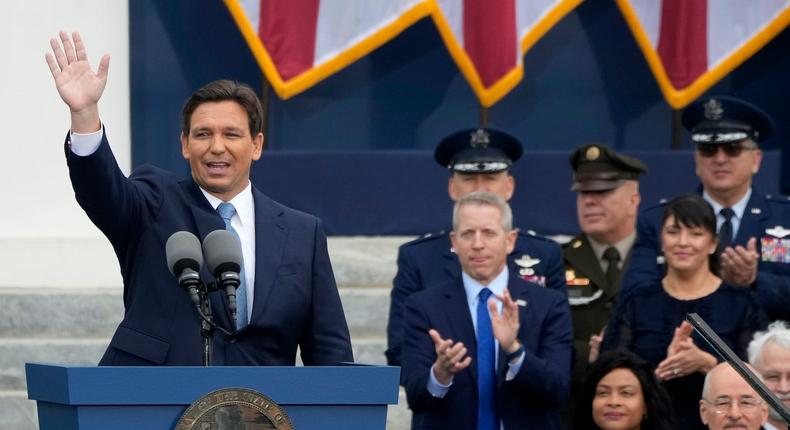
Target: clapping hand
739	264
451	358
683	356
506	324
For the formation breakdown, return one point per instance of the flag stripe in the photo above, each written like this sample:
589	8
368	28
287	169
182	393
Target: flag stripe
682	42
490	37
287	29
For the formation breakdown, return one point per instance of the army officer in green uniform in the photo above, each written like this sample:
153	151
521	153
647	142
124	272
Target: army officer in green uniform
607	187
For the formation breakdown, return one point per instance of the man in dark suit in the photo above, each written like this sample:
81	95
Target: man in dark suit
288	297
486	350
607	201
753	228
479	160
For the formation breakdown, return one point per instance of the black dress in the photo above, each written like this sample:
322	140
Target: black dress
644	322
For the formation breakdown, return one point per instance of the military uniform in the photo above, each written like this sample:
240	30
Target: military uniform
592	293
429	261
724	122
591	296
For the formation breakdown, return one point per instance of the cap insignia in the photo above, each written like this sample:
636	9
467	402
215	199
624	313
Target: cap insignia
479	139
713	110
592	153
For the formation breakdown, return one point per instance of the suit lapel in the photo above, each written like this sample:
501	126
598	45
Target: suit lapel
756	213
271	231
460	321
206	220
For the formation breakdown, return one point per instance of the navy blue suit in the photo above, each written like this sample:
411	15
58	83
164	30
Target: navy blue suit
772	288
295	302
428	262
531	400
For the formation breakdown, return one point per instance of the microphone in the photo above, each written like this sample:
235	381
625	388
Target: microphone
224	258
184	258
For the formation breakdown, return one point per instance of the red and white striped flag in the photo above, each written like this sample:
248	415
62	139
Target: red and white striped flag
691	44
297	43
487	38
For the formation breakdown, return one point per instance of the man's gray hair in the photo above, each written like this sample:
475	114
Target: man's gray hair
484	198
778	332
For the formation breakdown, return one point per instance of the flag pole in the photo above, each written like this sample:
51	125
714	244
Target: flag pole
677	130
483	118
266	90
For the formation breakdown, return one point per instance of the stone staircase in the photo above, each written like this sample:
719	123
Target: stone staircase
70	321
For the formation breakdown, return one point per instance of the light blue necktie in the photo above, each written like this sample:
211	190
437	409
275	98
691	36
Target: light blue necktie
226	211
487	416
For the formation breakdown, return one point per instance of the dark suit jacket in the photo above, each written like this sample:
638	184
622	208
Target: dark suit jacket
295	302
529	401
772	288
428	262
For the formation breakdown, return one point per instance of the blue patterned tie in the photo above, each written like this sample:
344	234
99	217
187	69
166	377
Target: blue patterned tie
487	416
725	231
226	211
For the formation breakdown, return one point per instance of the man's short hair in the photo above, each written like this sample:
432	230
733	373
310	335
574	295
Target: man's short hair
778	332
222	90
484	198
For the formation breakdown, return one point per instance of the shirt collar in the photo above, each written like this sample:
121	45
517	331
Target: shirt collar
473	288
243	202
623	246
739	208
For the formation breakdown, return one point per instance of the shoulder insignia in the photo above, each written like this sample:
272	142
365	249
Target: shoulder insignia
526	261
427	237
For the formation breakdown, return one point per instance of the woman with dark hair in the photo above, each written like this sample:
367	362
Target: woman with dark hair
650	318
620	392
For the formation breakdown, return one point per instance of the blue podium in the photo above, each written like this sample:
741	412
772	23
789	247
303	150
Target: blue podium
142	398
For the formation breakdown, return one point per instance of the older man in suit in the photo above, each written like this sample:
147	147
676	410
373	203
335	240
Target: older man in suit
287	298
486	350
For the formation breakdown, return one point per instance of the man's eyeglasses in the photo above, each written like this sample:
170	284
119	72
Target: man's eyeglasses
722	405
733	149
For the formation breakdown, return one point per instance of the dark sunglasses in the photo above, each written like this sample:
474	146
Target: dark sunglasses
733	149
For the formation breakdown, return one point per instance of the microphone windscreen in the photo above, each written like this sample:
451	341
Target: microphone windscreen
183	252
223	252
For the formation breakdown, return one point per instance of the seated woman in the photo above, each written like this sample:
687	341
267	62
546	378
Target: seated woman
620	392
650	318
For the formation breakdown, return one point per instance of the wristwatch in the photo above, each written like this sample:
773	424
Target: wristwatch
515	354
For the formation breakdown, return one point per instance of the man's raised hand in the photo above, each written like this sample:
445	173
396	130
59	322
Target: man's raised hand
78	86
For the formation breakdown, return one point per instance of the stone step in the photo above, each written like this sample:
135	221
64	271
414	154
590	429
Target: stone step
19	413
62	262
96	312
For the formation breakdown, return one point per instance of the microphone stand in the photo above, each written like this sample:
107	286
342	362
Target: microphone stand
206	329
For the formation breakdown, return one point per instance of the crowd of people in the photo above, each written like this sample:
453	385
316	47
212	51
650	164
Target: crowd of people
493	327
498	328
